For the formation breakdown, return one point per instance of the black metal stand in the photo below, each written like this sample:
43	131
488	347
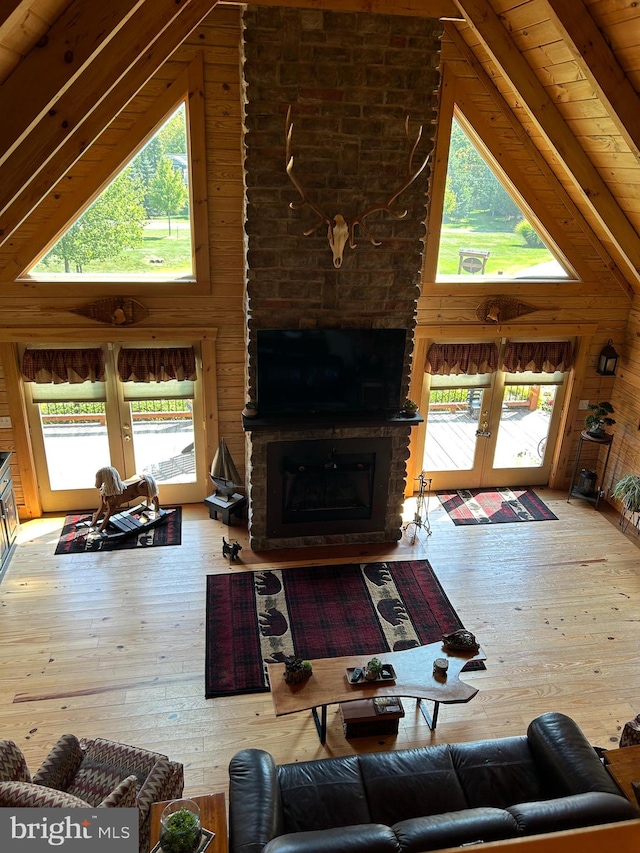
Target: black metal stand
594	497
321	722
421	515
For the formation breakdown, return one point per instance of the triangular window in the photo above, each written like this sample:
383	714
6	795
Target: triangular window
485	234
140	225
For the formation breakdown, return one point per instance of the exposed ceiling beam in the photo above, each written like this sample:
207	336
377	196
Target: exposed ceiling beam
503	51
92	103
12	11
537	157
56	61
414	8
598	63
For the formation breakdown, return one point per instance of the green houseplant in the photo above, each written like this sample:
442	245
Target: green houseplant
627	490
181	830
598	418
296	669
373	669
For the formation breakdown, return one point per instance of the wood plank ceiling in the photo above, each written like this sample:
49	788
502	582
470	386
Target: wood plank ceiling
569	70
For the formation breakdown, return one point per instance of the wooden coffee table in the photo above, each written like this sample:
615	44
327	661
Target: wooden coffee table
213	815
414	678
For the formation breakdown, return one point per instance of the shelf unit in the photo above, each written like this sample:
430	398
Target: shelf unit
585	439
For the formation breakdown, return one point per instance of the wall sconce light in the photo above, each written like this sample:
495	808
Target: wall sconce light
607	360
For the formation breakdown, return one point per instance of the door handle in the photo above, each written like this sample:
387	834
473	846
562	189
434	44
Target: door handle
484	431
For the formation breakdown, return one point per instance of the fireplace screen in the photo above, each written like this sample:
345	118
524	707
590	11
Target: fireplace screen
320	487
340	485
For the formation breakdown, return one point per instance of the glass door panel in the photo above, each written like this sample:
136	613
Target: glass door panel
453	421
75	443
164	439
524	426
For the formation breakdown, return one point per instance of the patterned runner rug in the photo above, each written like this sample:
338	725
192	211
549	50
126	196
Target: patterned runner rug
76	540
494	506
255	618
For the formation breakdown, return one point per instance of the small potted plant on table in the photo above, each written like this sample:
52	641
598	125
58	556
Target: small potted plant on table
373	669
296	670
181	830
598	419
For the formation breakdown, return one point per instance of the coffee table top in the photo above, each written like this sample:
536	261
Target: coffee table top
414	678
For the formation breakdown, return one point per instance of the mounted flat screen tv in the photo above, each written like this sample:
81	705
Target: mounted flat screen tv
330	371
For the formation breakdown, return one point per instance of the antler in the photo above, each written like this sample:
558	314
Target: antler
322	216
386	205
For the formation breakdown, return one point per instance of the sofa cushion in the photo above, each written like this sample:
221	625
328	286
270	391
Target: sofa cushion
322	794
571	812
454	828
411	783
371	837
497	773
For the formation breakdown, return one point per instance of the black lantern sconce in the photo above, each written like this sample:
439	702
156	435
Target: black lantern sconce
607	360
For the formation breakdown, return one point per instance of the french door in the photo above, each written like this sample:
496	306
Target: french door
495	429
137	428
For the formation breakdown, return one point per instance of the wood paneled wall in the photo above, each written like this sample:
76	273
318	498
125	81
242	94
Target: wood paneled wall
600	299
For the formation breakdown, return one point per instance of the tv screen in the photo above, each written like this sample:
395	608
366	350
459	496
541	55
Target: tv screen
330	371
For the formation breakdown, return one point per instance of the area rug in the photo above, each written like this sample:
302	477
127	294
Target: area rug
255	618
76	540
494	506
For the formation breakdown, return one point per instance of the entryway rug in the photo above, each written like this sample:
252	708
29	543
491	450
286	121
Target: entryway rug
75	540
254	618
494	506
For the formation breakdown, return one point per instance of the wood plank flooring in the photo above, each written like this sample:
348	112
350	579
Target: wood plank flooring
112	644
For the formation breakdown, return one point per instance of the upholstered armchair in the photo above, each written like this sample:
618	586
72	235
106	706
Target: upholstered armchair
98	773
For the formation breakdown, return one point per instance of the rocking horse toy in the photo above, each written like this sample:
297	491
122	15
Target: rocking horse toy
114	492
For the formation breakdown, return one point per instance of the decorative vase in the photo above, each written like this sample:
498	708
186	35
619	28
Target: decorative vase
180	827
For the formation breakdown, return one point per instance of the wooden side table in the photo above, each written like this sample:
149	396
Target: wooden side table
234	506
624	766
213	814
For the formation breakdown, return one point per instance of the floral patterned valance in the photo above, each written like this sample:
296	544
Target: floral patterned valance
537	356
471	359
46	366
161	364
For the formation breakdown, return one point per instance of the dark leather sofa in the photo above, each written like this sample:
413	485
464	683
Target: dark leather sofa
415	800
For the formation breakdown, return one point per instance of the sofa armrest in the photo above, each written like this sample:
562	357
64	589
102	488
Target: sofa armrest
567	762
255	806
61	764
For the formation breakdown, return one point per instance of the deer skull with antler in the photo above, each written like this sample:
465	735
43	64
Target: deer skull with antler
339	230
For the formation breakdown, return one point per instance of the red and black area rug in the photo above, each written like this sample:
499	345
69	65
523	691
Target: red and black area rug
494	506
255	618
76	539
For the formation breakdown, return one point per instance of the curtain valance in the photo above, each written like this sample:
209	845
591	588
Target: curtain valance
160	364
447	359
538	356
44	366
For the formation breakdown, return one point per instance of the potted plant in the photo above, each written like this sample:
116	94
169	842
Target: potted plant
296	669
598	419
373	669
250	409
409	408
627	490
181	830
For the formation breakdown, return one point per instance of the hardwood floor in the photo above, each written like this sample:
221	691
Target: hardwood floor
112	644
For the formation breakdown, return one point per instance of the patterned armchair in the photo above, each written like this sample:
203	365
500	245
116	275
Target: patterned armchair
99	773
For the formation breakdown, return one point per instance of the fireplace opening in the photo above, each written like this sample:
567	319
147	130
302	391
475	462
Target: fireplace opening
342	484
327	486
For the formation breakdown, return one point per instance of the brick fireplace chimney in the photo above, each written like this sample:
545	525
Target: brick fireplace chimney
351	80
